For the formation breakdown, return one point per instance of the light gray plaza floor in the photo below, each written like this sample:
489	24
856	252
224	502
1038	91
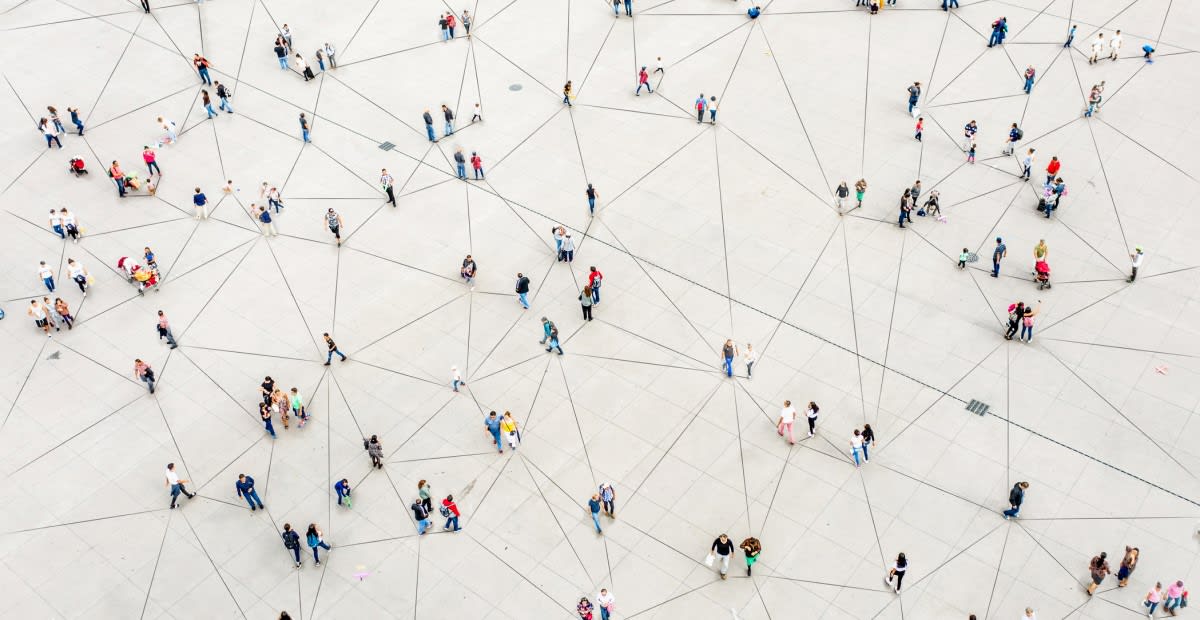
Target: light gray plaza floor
702	233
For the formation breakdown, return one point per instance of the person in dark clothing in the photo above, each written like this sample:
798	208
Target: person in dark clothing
1015	497
722	548
868	439
291	541
333	348
523	290
245	489
1015	313
429	126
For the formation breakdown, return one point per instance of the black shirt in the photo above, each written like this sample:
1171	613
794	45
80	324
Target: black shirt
448	114
268	387
291	539
280	51
428	119
723	548
868	435
459	158
332	345
469	266
419	512
591	193
1016	495
523	285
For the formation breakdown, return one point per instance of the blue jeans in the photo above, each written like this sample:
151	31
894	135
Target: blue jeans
640	85
283	62
316	554
225	105
208	108
271	202
496	438
59	229
616	8
462	170
712	115
79	126
445	34
54	138
251	497
524	297
629	7
304	132
478	173
270	427
596	293
448	129
59	126
1026	329
1070	39
1012	512
995	38
204	76
429	132
1171	603
592	204
422	525
596	521
455	384
603	613
866	456
49	282
152	167
1028	85
857	461
554	345
321	64
452	520
728	366
995	268
912	103
329	357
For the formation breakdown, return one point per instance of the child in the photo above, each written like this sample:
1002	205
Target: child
920	127
1148	52
962	258
971	154
476	116
456	378
228	189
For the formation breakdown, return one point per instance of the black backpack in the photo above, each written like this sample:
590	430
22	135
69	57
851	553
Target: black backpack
288	541
1020	134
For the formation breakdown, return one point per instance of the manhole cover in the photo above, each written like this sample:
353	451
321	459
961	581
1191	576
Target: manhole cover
515	87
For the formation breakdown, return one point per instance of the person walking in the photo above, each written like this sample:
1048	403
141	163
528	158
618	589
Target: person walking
264	219
629	8
567	93
428	118
969	131
168	127
728	352
141	371
291	542
1115	44
749	357
444	24
616	8
1052	169
1027	322
75	120
1128	564
297	403
523	290
281	55
466	22
1176	597
856	444
554	344
584	608
460	163
477	116
375	451
264	413
202	64
330	51
477	165
304	127
386	181
722	549
64	312
1016	496
787	417
491	424
508	427
245	490
200	202
643	80
914	95
899	567
164	330
868	440
448	115
592	195
468	270
1097	48
547	327
999	29
69	224
1029	75
56	224
568	248
334	221
151	159
50	133
752	548
206	101
456	378
1015	134
920	128
1027	163
78	274
605	601
342	489
1098	568
333	348
860	190
1015	312
701	105
316	540
450	510
585	302
811	413
1153	598
1136	259
840	194
594	507
47	275
423	490
177	485
998	254
712	109
1070	36
608	500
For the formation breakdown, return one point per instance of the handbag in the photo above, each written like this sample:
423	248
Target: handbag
709	559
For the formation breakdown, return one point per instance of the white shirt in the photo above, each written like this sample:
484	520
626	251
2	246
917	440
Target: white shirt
300	64
788	414
568	244
810	413
1116	42
37	311
750	356
329	51
68	219
172	477
1028	616
604	600
457	376
1097	45
1137	259
76	270
44	272
55	220
856	441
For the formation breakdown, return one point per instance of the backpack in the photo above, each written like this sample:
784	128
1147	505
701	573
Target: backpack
288	541
1020	134
445	510
366	444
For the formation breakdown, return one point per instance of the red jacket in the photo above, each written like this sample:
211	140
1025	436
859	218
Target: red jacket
476	162
1052	169
593	276
452	507
642	77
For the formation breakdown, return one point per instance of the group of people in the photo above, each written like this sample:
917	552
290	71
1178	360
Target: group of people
448	21
277	402
283	50
44	312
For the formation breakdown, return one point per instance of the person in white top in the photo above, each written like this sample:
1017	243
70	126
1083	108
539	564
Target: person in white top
39	316
750	357
1115	45
79	274
47	275
1136	259
168	126
1029	615
456	378
856	444
329	52
1097	47
69	223
812	411
605	601
787	416
176	484
56	224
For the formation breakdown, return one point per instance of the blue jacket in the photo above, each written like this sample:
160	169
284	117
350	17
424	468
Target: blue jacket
493	425
245	487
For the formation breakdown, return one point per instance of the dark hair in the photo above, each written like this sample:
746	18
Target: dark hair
901	561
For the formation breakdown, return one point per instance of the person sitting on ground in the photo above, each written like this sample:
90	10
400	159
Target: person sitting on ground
754	11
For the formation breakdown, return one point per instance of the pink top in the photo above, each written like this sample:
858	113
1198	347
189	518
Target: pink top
1154	596
1174	590
148	155
162	322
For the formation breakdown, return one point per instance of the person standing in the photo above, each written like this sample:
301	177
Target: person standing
840	194
554	344
342	488
1015	312
281	55
1027	163
451	512
385	181
1136	259
468	270
585	302
1016	497
297	403
316	540
264	218
477	165
722	548
291	541
200	201
712	109
460	163
508	426
304	127
643	80
151	159
334	221
1175	597
905	207
1115	45
50	133
168	126
320	59
477	116
164	330
594	507
1052	169
914	95
1098	567
201	63
568	248
1029	75
304	68
591	194
47	275
64	312
728	352
920	128
701	104
1027	322
285	32
492	425
608	500
629	8
1153	598
330	51
998	254
1097	48
1070	36
177	485
264	413
1014	135
1128	564
567	93
969	131
423	490
868	440
245	490
856	444
56	224
523	290
605	601
456	378
448	115
899	567
46	310
750	357
860	190
141	371
466	22
787	417
444	24
333	348
811	413
375	451
752	548
584	608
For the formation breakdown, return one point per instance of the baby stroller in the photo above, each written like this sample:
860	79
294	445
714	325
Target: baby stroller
78	168
1042	274
142	278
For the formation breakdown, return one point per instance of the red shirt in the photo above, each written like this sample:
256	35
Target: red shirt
1053	167
452	507
476	162
593	276
148	155
642	77
450	20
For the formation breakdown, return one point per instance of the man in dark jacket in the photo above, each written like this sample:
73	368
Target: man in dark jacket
429	126
291	541
1015	497
523	290
245	489
421	514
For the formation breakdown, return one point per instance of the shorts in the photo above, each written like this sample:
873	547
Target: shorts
1097	579
336	231
40	322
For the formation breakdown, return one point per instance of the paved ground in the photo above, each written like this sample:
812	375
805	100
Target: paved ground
703	233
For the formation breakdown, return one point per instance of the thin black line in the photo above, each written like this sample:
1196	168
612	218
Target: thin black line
691	420
1047	552
286	284
100	95
1107	184
724	239
800	289
157	559
854	323
216	569
887	347
629	361
862	164
20	391
673	598
1147	149
92	520
1115	346
787	89
553	515
78	433
360	25
377	340
514	570
996	98
218	290
1000	562
943	564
